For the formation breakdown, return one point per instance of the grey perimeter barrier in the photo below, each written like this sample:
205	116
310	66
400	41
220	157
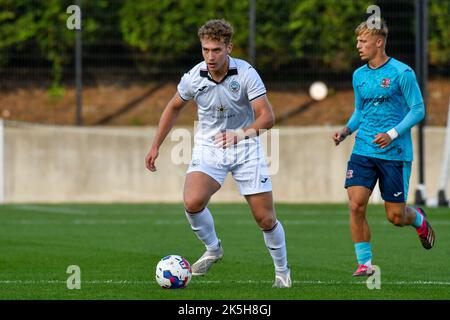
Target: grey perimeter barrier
44	163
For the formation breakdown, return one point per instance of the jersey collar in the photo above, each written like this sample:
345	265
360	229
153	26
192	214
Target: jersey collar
232	71
378	68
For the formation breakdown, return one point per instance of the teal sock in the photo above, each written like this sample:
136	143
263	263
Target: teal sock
363	252
419	219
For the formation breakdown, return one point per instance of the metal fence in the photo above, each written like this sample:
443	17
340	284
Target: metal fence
281	56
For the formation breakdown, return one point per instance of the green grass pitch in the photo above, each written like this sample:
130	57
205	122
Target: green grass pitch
117	247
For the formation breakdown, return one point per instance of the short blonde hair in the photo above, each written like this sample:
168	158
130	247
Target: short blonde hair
217	29
363	28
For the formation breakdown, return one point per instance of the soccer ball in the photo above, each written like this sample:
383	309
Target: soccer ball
173	272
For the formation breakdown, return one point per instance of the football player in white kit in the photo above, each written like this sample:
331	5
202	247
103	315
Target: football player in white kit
232	110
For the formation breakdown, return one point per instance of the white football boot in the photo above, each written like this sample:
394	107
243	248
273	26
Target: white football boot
282	279
202	265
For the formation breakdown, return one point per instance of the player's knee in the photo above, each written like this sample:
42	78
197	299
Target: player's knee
396	220
267	222
357	209
194	204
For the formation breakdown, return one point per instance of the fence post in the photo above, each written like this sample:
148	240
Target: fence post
78	69
422	75
2	163
252	33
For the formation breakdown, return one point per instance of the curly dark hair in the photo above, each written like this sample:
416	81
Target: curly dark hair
217	29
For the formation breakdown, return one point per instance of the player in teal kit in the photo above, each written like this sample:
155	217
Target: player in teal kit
388	103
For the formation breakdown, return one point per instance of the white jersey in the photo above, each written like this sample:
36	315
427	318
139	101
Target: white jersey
222	105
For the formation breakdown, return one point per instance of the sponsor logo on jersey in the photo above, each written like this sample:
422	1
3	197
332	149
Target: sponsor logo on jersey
376	100
222	113
221	109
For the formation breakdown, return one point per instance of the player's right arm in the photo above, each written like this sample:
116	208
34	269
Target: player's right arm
166	122
340	135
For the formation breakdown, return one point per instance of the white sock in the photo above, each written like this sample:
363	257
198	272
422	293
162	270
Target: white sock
275	242
202	224
368	263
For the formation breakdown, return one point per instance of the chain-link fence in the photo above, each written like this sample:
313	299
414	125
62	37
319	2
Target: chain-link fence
295	41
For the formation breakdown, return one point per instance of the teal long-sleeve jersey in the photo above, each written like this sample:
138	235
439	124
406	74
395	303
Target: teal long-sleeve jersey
386	98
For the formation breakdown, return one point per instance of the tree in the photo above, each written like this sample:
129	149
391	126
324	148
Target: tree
29	25
161	31
323	31
439	33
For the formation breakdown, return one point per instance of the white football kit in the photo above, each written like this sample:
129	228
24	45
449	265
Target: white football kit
225	106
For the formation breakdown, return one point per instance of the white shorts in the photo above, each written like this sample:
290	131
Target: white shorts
246	163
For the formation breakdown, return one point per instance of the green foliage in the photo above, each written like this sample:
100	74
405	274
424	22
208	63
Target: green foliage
273	36
42	24
157	30
326	28
160	32
56	91
439	39
15	28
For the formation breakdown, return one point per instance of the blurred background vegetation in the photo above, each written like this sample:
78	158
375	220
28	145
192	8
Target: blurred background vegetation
157	39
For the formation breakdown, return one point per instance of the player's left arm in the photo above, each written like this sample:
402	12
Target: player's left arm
411	92
264	120
264	117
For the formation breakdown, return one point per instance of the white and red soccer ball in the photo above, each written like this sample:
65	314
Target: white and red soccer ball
173	272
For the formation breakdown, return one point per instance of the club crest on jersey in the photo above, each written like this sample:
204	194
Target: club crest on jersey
385	82
234	86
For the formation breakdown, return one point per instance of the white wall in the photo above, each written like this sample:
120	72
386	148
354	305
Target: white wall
97	164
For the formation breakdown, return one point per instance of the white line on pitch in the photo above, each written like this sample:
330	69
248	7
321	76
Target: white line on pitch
75	222
49	209
153	211
183	221
293	222
309	282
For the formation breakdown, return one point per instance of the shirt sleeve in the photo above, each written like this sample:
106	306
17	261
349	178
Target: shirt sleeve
354	121
411	92
184	87
254	85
